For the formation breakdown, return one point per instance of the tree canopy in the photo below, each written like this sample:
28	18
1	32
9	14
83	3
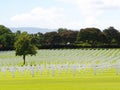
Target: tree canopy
63	38
112	35
89	35
6	38
23	46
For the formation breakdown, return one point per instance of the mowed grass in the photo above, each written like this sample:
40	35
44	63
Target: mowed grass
107	80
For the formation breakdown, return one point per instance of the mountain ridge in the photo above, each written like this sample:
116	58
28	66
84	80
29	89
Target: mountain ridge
31	29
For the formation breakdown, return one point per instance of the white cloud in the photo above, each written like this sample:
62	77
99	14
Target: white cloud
111	4
93	9
40	17
87	13
45	18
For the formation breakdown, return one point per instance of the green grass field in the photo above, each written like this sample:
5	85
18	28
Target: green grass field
105	78
64	81
61	83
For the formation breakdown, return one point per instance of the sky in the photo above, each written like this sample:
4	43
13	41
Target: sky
53	14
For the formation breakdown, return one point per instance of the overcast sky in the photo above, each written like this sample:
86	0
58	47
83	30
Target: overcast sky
53	14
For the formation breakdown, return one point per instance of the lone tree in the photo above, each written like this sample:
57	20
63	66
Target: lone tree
23	46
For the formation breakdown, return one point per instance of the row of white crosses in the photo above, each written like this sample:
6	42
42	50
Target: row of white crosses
75	55
53	54
60	68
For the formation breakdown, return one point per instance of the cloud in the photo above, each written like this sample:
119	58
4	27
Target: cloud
93	9
81	13
52	18
40	17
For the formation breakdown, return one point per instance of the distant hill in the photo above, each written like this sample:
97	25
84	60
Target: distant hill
31	29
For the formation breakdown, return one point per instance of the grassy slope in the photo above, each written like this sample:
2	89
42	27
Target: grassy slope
82	81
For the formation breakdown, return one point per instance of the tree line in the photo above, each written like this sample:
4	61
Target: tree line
64	38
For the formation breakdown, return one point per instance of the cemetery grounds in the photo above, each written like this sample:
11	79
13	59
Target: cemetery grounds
63	69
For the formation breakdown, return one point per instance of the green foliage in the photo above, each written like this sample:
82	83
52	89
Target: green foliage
89	35
113	35
52	38
6	38
63	38
37	39
23	46
4	30
67	36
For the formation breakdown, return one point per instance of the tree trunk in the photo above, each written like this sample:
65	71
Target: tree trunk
24	59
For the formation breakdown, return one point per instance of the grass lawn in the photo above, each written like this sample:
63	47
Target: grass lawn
66	81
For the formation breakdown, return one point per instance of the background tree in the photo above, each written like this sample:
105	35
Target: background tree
6	38
67	36
89	35
102	39
63	38
113	35
23	46
37	39
17	34
52	38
